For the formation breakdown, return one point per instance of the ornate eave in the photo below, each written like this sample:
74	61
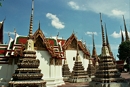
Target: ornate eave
40	34
68	41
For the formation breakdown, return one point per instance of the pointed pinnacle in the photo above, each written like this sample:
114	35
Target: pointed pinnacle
103	37
126	32
31	21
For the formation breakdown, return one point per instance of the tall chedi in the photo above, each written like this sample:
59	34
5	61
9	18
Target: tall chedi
94	54
108	45
107	75
91	69
78	73
28	74
65	71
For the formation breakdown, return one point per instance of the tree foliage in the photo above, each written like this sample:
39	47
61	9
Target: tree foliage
0	4
124	50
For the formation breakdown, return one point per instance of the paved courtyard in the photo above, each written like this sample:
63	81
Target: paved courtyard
67	84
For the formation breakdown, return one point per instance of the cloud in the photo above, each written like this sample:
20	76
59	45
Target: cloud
73	5
117	12
118	34
90	33
11	33
111	8
115	35
76	6
55	22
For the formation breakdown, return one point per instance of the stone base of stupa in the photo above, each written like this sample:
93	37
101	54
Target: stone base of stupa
112	84
90	78
76	79
28	83
66	79
54	82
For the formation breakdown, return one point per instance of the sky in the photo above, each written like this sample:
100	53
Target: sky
66	17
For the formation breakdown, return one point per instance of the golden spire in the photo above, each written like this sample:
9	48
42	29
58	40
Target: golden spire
31	22
105	51
65	61
107	41
94	53
103	37
77	56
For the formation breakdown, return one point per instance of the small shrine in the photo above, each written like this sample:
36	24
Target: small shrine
90	70
78	74
65	71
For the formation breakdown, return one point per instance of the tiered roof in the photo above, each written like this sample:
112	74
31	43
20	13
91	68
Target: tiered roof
14	46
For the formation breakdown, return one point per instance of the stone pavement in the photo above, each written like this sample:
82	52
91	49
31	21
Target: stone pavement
67	84
125	75
86	84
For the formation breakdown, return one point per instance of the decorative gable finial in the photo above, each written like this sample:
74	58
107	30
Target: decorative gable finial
39	26
9	35
15	31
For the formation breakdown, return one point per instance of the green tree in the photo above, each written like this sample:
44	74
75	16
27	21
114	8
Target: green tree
0	4
124	50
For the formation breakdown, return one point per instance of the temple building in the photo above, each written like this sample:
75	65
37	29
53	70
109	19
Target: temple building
49	51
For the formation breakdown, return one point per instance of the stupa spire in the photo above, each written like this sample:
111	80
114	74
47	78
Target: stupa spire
103	37
77	56
31	22
107	42
94	53
105	51
122	37
93	41
126	32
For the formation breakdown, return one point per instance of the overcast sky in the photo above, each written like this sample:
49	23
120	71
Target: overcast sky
66	16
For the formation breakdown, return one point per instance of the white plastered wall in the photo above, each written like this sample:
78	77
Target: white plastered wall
44	58
52	74
6	72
